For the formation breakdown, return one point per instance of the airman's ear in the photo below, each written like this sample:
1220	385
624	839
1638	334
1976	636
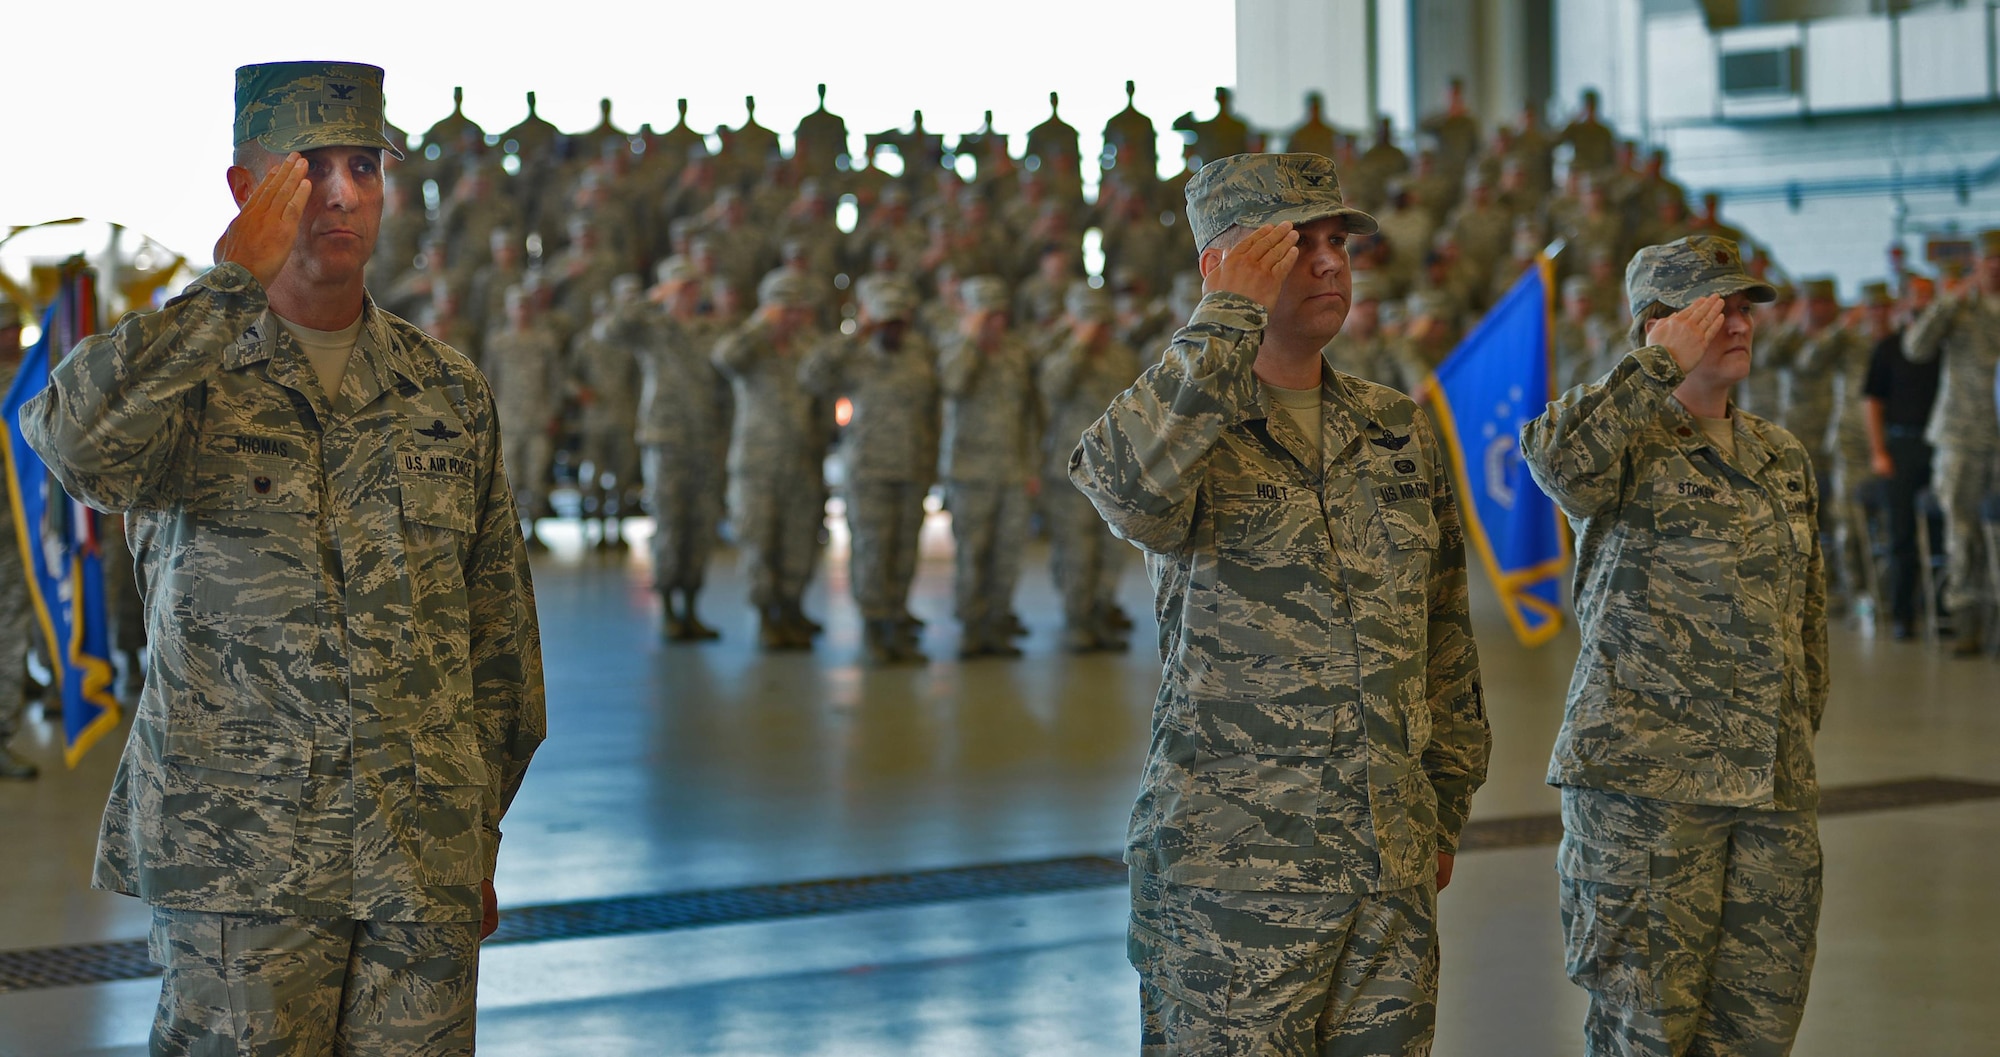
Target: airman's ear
1211	259
241	182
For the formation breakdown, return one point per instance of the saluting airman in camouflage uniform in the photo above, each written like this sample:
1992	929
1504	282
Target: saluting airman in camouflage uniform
524	365
1078	381
1319	730
888	454
1690	860
1965	330
986	377
683	437
14	623
607	373
348	684
777	501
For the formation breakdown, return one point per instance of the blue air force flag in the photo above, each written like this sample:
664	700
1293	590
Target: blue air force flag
58	542
1495	382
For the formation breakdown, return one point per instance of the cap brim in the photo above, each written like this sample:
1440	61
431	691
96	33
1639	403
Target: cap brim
1358	223
313	137
1759	293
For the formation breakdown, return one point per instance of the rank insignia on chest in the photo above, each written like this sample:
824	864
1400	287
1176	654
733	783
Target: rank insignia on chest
262	485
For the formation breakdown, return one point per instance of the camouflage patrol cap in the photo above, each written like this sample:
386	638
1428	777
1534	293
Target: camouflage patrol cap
1876	294
1576	286
675	269
1258	189
784	287
1821	289
300	106
984	293
1686	270
1086	303
886	297
1368	286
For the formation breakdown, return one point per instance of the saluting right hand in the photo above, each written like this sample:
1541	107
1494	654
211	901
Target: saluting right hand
1687	333
267	224
1257	266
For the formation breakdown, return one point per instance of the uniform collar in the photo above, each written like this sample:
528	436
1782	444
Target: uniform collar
380	359
1340	426
1754	448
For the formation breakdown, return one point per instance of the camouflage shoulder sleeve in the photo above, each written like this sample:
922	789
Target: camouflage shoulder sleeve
1576	449
506	641
1060	370
121	406
1142	463
1461	739
958	368
736	351
821	372
1922	341
1820	354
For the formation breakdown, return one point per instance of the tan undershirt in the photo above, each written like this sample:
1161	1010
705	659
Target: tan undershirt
1721	432
327	350
1299	405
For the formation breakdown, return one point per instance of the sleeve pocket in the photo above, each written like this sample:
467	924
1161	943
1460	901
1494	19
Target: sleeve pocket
451	808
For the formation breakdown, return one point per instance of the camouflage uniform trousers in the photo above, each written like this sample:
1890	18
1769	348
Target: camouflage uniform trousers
884	519
259	985
989	527
528	454
613	457
15	628
1852	474
686	503
1283	974
1962	479
777	520
1082	552
1692	928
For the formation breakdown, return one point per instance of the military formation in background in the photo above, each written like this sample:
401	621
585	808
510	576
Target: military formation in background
650	310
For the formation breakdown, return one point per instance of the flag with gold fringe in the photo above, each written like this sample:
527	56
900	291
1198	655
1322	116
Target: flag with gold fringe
1496	381
59	537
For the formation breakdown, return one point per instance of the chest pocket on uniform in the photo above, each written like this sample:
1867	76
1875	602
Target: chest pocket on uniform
240	484
1410	526
1696	543
437	485
1267	518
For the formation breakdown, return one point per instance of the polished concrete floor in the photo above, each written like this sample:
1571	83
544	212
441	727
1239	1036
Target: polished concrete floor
672	768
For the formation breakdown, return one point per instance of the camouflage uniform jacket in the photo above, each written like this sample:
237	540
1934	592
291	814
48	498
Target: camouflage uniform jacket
1699	593
346	676
1966	332
893	435
989	413
777	430
1819	361
526	369
1771	353
1076	386
683	399
1320	725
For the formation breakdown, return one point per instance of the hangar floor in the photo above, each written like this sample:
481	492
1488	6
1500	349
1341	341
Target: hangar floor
660	859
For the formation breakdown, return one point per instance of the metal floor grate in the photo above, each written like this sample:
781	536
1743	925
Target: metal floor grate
43	967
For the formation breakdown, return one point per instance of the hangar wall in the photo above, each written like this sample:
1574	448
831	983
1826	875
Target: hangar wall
1832	128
